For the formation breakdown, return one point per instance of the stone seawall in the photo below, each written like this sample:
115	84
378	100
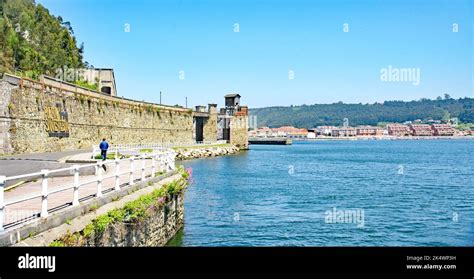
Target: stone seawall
151	220
239	132
37	117
148	216
159	226
206	151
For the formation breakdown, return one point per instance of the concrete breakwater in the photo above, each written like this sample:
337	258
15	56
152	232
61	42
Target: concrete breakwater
278	141
185	153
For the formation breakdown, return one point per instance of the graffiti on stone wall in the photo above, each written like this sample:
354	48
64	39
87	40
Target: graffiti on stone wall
56	122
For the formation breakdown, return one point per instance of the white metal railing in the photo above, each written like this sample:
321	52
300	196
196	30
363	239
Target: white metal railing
208	142
129	148
134	148
165	159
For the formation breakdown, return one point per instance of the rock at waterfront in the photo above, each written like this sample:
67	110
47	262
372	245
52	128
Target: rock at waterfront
207	151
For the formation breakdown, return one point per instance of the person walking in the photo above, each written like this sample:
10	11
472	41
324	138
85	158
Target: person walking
104	145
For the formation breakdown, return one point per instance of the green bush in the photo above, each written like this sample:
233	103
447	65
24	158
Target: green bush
110	156
83	83
57	243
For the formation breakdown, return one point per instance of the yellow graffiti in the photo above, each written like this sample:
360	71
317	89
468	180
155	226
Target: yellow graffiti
54	123
52	113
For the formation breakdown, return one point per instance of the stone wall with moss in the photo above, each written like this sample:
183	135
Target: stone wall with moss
210	128
239	131
31	111
5	122
152	220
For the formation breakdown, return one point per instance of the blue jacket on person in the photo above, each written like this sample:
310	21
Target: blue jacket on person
104	145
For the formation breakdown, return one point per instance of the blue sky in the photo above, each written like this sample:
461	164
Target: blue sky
329	65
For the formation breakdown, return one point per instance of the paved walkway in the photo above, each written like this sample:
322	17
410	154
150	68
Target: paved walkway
47	156
29	163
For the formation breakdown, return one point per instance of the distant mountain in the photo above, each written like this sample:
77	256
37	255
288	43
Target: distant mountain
310	116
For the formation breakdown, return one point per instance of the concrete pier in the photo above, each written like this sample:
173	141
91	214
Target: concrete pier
277	141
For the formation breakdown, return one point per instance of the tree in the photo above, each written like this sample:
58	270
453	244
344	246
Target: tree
42	44
446	117
447	96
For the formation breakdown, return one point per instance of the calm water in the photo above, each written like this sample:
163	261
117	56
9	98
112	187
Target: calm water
411	193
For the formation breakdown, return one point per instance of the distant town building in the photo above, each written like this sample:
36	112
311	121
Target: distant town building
300	134
369	131
421	130
263	132
443	130
344	132
431	121
325	130
398	130
394	129
286	129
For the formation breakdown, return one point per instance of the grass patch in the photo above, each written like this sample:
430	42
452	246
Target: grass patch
11	107
93	207
86	84
109	156
57	243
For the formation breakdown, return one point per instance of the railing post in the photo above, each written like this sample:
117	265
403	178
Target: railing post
131	170
93	152
75	199
142	157
166	162
160	155
2	201
44	193
153	167
99	179
173	160
117	174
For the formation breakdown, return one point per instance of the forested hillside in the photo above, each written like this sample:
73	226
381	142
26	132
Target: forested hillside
34	42
310	116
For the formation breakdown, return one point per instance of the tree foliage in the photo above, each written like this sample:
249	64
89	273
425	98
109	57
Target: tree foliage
310	116
35	42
